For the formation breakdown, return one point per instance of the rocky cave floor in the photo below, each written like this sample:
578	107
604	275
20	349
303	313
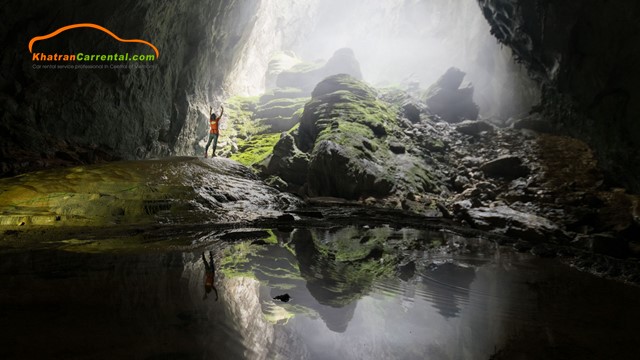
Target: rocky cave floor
535	191
518	180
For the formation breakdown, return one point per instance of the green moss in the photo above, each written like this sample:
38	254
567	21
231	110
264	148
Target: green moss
235	260
345	99
272	239
278	115
276	314
419	178
128	192
296	126
255	149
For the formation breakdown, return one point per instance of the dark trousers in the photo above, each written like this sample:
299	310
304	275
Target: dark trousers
214	138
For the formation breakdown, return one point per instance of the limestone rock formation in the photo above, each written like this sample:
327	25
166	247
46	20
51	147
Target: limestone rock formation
279	114
288	162
446	99
351	140
278	63
307	76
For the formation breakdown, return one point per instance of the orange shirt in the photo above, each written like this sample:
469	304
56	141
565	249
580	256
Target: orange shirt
213	123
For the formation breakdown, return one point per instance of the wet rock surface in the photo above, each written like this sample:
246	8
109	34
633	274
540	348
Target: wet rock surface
175	190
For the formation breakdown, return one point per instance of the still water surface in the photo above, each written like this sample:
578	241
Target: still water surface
485	303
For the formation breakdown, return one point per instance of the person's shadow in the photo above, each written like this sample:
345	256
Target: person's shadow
209	275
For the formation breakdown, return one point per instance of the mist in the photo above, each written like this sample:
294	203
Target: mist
402	41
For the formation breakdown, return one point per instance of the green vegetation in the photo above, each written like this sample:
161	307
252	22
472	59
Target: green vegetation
278	114
348	113
239	122
255	149
255	123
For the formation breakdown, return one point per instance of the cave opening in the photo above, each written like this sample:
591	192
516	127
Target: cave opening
395	43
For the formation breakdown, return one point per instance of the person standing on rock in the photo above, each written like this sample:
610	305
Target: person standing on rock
214	121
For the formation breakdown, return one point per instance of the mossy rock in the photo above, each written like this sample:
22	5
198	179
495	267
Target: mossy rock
343	127
343	98
172	190
256	149
347	131
279	108
288	161
237	122
276	124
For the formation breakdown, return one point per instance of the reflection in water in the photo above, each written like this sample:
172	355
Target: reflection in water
210	274
449	285
70	305
349	298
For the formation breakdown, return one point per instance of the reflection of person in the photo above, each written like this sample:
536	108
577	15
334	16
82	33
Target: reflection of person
209	276
214	121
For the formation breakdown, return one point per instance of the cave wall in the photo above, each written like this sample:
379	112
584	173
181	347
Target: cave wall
276	25
135	113
209	49
585	56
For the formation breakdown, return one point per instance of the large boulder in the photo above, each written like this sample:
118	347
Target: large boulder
351	140
343	61
341	97
508	167
474	127
288	162
342	128
446	99
335	170
505	220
